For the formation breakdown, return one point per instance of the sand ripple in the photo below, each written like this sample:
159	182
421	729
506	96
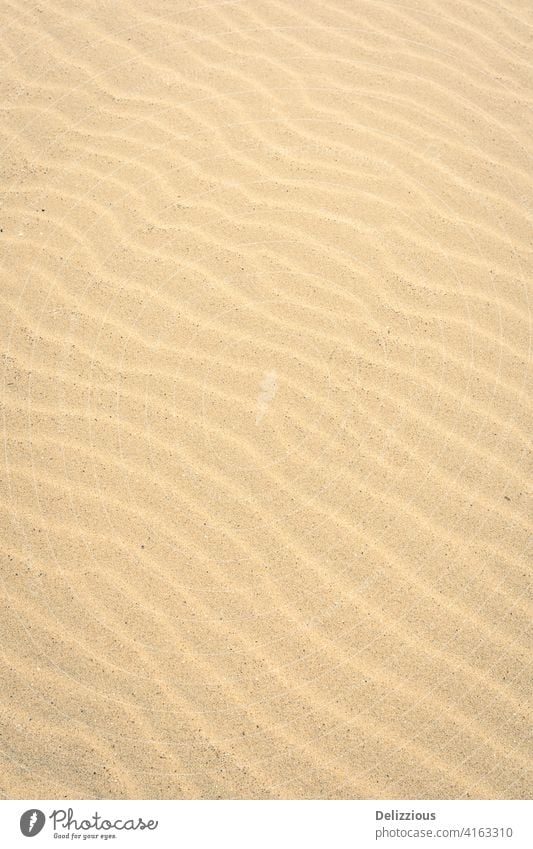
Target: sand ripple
265	342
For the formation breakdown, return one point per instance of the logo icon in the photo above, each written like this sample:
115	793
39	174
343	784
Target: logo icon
32	822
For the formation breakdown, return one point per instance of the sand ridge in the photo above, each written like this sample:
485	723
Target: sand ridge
265	338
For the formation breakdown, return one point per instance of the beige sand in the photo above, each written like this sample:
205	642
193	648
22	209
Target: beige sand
265	338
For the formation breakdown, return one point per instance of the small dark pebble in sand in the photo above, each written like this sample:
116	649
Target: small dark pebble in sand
506	497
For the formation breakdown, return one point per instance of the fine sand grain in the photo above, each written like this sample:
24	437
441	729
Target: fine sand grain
265	333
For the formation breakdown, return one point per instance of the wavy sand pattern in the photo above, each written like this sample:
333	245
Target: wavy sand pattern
265	346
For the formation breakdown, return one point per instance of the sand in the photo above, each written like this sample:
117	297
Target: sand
265	337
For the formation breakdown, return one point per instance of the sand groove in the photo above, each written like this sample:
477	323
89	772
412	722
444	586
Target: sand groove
266	332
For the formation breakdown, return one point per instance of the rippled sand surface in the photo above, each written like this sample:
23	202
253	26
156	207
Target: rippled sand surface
265	334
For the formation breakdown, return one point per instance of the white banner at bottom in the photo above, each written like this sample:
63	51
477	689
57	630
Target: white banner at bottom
267	824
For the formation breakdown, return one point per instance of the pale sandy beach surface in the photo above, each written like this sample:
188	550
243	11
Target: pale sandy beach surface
265	337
